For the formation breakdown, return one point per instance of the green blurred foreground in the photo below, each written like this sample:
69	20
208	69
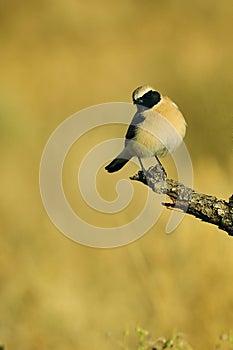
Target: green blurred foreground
58	57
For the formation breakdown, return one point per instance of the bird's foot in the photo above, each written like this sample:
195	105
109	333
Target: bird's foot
160	168
158	172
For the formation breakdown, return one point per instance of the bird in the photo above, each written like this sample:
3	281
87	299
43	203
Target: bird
157	129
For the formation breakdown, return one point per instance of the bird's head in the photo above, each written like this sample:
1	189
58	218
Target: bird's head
146	96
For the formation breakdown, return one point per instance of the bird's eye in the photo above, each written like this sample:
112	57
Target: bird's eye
139	100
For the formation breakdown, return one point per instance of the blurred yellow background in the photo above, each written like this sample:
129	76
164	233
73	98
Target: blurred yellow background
58	57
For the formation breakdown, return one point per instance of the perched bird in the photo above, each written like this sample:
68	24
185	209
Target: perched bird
156	129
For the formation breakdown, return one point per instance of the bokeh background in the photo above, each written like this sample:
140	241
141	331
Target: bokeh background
58	57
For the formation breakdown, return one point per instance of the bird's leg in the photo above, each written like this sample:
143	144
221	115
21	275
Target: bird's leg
161	166
143	169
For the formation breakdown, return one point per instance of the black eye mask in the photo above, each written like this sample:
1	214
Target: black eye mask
149	99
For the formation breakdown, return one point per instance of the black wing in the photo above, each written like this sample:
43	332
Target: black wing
132	129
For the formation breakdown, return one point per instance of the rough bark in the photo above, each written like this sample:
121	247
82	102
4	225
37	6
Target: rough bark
205	207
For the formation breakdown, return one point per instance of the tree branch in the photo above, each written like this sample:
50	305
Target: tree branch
207	208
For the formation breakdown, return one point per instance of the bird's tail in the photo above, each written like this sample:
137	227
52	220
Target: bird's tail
118	162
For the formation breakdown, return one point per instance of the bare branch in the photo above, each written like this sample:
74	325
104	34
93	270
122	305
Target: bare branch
207	208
